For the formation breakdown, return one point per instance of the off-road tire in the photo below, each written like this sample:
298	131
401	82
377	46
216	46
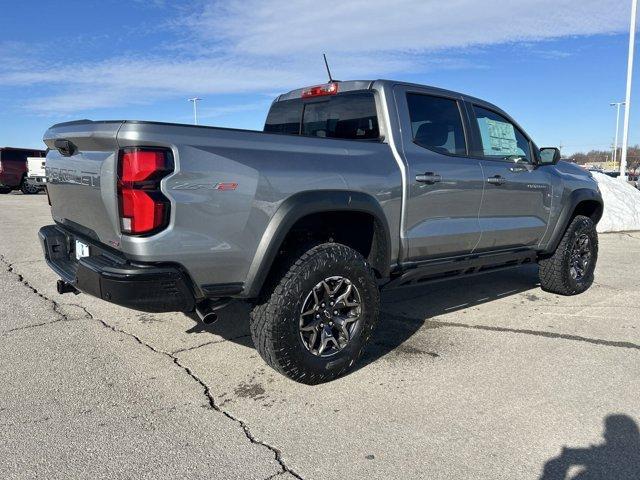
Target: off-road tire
27	189
555	273
4	190
275	318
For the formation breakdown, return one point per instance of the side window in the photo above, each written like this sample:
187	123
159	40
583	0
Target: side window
499	137
436	124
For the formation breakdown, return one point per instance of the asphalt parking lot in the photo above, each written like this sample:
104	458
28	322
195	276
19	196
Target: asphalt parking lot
487	378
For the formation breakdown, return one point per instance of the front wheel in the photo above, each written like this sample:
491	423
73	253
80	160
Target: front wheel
569	270
314	323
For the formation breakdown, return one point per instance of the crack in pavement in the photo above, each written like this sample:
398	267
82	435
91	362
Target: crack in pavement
538	333
36	325
212	342
63	317
207	391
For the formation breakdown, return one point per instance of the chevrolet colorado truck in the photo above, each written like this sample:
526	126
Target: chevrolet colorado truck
351	187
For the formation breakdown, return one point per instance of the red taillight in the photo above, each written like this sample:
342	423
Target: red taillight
143	207
320	90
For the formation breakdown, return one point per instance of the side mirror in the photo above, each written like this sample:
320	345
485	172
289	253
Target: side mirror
549	156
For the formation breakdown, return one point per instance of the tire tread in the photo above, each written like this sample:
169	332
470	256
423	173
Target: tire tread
554	272
266	322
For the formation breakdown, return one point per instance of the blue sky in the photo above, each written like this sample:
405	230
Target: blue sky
555	65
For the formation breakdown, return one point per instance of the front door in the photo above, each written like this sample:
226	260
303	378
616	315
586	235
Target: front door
517	195
444	184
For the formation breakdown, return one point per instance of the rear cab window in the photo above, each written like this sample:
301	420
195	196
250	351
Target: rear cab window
349	115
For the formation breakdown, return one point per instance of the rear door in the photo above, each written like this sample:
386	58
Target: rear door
444	184
517	195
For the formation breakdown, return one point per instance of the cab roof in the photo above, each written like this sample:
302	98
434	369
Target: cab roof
353	85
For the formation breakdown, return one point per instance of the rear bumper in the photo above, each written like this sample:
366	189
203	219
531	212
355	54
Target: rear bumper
39	181
103	274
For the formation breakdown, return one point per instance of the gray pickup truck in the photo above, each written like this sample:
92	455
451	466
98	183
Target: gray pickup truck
352	187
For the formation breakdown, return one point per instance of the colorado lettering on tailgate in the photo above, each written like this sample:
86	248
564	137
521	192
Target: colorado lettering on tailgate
62	175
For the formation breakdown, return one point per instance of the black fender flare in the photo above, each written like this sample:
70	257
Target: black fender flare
300	205
570	204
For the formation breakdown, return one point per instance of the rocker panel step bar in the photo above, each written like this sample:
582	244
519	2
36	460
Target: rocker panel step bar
439	270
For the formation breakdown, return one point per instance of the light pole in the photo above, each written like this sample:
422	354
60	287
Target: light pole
627	109
195	101
615	145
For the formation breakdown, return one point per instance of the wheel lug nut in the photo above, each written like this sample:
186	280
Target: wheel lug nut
322	325
317	315
335	312
322	305
331	303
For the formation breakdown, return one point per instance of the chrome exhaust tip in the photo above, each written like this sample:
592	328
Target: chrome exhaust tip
207	317
207	310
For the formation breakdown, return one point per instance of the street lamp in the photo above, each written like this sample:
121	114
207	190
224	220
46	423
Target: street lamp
615	145
625	128
195	101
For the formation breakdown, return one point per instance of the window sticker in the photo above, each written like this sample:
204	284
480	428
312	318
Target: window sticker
498	138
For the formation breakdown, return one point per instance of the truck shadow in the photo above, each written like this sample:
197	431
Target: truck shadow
618	457
405	311
395	326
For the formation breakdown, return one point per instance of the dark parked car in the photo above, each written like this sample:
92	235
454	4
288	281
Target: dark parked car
13	169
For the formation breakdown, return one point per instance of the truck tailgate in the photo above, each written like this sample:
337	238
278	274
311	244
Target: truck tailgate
82	179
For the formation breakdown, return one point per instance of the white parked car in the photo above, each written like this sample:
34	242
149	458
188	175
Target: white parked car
36	176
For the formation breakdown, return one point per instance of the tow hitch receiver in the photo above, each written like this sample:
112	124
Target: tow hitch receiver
64	287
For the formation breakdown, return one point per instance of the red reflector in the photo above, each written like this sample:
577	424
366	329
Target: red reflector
320	90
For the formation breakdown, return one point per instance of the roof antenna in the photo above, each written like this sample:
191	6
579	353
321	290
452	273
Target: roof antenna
326	64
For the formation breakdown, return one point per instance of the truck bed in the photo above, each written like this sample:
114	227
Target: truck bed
213	230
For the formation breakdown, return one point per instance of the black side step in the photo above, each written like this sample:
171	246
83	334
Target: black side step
439	270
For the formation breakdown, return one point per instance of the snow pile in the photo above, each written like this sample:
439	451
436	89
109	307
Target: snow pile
621	204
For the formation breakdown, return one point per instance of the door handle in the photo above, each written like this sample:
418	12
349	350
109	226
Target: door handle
518	168
428	178
496	180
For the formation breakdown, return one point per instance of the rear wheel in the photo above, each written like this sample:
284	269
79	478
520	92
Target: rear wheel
569	270
314	322
5	190
27	188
